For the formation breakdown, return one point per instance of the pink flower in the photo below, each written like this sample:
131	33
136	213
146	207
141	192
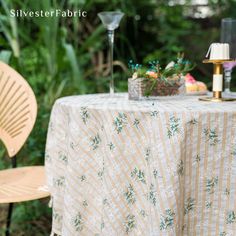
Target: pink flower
190	79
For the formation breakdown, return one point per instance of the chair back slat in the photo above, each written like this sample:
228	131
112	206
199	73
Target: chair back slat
18	109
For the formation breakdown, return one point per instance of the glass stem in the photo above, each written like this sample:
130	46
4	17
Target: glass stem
111	45
227	73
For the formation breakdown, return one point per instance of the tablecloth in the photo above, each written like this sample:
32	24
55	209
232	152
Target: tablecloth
164	166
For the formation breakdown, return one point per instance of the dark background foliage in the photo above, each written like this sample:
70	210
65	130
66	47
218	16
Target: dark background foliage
68	56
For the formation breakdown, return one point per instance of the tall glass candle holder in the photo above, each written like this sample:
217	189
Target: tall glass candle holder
228	35
111	21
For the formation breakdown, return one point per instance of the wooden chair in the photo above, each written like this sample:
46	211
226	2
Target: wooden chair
18	111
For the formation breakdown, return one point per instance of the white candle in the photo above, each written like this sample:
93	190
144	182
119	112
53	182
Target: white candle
218	51
217	82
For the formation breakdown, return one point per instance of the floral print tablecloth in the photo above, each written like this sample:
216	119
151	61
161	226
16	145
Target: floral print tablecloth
154	167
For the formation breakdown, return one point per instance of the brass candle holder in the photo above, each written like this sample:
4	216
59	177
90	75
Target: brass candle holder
217	74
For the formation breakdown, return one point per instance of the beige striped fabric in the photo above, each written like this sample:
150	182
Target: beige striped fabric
164	166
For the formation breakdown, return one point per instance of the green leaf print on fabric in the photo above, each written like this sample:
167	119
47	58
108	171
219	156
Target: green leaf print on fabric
167	220
136	123
78	222
62	157
230	217
105	202
120	122
189	205
102	225
223	233
130	223
47	157
173	127
111	146
211	184
208	204
85	203
198	158
143	213
233	151
84	114
56	216
130	195
156	173
59	182
180	168
184	226
154	113
101	173
151	196
211	136
72	145
193	121
227	192
147	154
82	178
95	141
138	175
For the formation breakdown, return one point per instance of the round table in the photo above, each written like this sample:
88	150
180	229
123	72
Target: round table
164	166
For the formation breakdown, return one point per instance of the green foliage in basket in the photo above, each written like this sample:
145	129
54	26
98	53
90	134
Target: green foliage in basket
154	72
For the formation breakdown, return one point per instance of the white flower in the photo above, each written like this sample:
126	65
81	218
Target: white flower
135	75
170	64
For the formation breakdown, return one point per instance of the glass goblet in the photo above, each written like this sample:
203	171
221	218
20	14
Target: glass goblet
228	35
111	21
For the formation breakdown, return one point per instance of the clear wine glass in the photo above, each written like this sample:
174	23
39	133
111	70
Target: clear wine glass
228	35
111	21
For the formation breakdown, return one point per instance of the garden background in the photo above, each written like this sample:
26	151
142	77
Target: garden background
68	56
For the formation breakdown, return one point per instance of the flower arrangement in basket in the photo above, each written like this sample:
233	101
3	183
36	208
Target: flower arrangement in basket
155	81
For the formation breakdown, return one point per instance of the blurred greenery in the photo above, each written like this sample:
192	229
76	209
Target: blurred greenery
64	56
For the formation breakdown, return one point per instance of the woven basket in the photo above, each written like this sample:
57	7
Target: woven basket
138	87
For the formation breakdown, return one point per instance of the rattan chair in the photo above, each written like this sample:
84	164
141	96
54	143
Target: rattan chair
18	111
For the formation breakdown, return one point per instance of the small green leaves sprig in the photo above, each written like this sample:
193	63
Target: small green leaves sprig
137	69
134	67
